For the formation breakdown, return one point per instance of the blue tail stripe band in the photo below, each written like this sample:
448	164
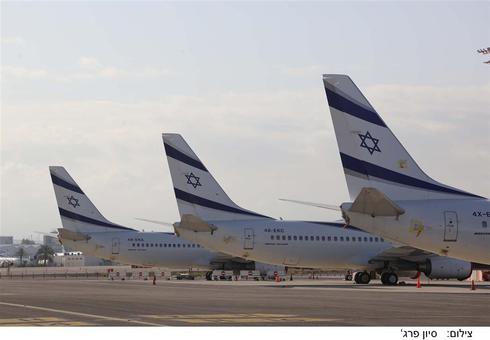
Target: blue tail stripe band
345	105
62	183
190	198
81	218
176	154
370	169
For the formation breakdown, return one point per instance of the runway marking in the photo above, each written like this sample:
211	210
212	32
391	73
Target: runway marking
42	321
94	316
237	318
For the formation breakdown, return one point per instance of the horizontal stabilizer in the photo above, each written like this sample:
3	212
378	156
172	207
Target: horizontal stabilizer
194	223
371	201
66	234
167	224
313	204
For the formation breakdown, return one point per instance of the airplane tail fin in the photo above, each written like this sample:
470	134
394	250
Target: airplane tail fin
196	190
77	212
371	154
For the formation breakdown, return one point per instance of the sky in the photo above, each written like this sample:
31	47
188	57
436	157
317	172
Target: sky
92	85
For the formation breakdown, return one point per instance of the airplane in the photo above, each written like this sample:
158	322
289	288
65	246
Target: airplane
9	261
86	229
211	218
392	197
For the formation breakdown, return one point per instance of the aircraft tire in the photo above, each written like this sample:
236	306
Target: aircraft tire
364	278
389	278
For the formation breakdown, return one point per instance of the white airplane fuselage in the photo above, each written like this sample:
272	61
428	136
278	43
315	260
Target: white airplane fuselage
145	249
292	243
456	228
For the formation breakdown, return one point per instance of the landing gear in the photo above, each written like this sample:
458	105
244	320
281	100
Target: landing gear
362	278
348	277
389	278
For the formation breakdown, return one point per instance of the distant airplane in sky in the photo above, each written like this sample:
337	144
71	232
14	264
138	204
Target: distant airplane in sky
484	51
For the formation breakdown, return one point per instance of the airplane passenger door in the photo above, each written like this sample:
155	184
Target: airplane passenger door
115	245
248	238
450	226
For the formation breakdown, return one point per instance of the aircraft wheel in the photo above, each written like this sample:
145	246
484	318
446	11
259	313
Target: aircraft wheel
389	278
364	278
356	277
348	277
209	276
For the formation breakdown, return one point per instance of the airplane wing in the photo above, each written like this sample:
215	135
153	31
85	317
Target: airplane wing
402	252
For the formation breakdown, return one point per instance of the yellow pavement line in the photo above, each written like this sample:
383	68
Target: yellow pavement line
218	316
42	321
238	318
29	320
254	320
50	324
196	316
95	316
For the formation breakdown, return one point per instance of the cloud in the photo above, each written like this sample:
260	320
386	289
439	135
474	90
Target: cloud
22	72
302	71
13	41
89	62
431	109
95	69
88	68
260	146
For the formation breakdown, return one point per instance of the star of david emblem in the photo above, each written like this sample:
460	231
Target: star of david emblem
193	180
73	201
369	143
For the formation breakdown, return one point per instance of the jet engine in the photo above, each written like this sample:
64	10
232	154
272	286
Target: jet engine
446	268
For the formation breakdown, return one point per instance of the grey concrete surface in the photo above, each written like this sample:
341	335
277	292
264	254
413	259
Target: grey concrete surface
202	303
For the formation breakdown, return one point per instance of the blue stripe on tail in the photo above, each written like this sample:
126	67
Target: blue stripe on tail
369	169
343	104
81	218
176	154
193	199
62	183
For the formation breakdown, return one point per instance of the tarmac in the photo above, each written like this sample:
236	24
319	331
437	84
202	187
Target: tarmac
59	302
